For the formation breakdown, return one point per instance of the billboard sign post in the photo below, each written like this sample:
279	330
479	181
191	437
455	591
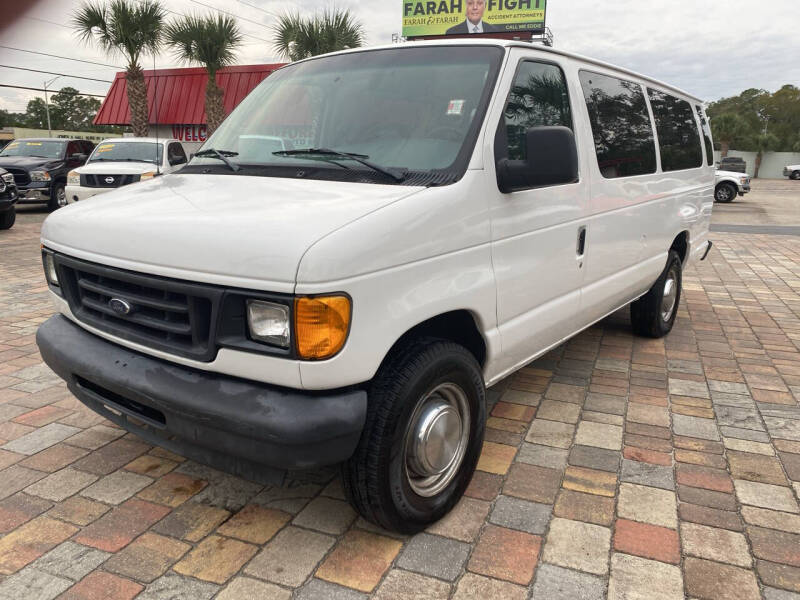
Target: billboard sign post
425	18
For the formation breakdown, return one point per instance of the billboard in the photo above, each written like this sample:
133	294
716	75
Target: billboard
458	17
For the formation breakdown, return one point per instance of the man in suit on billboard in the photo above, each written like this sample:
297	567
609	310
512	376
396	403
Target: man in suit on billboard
474	22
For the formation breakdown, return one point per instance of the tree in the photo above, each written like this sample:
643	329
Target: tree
71	111
128	28
212	42
764	143
727	129
298	38
36	115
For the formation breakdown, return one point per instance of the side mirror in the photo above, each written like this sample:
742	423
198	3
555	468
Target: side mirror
552	159
176	160
78	156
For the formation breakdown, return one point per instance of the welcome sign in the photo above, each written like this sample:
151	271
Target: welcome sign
458	17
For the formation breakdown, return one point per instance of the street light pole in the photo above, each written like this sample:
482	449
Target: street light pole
47	104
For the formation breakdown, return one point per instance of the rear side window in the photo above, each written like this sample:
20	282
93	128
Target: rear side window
706	135
538	98
623	133
678	137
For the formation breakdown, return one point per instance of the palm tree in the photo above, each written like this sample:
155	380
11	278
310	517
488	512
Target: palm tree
727	129
212	42
128	28
764	143
298	38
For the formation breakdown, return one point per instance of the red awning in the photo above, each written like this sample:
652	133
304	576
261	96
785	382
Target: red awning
177	96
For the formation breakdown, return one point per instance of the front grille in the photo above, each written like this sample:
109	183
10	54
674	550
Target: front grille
108	181
165	314
21	176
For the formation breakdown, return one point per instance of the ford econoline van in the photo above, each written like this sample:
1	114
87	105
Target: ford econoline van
422	220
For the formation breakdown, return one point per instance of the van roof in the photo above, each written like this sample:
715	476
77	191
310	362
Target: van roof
528	46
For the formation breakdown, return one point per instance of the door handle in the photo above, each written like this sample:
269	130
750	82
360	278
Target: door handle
581	246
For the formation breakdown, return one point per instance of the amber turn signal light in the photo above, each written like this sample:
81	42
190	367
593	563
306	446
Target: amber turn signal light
321	324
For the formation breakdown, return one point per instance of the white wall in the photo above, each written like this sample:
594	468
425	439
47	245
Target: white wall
184	133
772	163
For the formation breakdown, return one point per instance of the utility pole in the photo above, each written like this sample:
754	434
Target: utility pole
47	104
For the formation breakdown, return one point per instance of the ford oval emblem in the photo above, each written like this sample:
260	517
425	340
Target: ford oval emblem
109	180
120	306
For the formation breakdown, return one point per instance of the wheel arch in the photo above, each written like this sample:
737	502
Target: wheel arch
681	245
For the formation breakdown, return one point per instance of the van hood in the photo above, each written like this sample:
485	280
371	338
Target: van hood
121	167
232	230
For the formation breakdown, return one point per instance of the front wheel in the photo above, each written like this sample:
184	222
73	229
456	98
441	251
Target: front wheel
725	192
653	315
422	438
7	218
795	175
58	197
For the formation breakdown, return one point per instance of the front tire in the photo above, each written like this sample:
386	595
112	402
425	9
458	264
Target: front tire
725	192
7	218
422	438
795	175
58	197
653	315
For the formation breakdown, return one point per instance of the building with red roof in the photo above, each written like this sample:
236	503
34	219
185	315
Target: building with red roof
176	99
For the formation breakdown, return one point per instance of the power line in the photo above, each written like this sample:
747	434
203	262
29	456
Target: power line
90	62
46	21
230	14
22	87
54	73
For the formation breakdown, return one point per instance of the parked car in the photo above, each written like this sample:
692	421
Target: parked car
40	167
791	171
729	184
8	198
121	161
733	164
419	234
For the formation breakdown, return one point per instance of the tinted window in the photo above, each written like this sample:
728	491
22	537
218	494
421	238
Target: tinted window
538	97
175	154
706	135
623	134
678	138
73	148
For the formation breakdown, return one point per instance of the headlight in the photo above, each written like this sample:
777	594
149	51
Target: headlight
321	325
40	176
268	322
7	177
744	179
50	269
73	178
148	175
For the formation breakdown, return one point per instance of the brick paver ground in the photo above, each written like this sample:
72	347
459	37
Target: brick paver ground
614	467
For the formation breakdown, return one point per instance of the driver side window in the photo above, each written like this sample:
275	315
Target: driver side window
538	97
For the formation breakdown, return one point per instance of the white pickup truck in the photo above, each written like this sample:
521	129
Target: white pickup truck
729	184
792	171
121	161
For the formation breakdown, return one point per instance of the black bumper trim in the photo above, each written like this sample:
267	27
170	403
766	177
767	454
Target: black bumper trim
235	424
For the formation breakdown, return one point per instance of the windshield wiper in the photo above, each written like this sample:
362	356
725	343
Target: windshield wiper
359	158
221	155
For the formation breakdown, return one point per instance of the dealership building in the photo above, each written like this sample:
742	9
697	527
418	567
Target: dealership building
176	99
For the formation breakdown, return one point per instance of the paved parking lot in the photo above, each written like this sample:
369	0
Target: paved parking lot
613	467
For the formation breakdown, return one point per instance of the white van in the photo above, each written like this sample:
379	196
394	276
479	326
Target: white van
436	216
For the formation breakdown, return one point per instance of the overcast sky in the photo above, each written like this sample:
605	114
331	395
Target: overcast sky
709	48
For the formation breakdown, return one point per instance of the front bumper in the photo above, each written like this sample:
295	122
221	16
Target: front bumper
233	424
34	192
76	193
744	188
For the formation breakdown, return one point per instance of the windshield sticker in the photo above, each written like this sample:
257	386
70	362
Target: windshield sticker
105	147
13	145
456	107
33	143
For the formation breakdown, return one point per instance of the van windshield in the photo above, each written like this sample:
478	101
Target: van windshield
409	111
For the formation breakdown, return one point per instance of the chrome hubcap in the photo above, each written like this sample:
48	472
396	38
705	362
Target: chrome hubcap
723	193
670	295
62	197
436	439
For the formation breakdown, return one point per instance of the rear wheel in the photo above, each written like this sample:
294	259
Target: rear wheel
58	197
422	437
7	218
653	315
725	192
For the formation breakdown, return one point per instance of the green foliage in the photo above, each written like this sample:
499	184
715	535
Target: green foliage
297	38
210	41
729	128
125	27
759	111
68	110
